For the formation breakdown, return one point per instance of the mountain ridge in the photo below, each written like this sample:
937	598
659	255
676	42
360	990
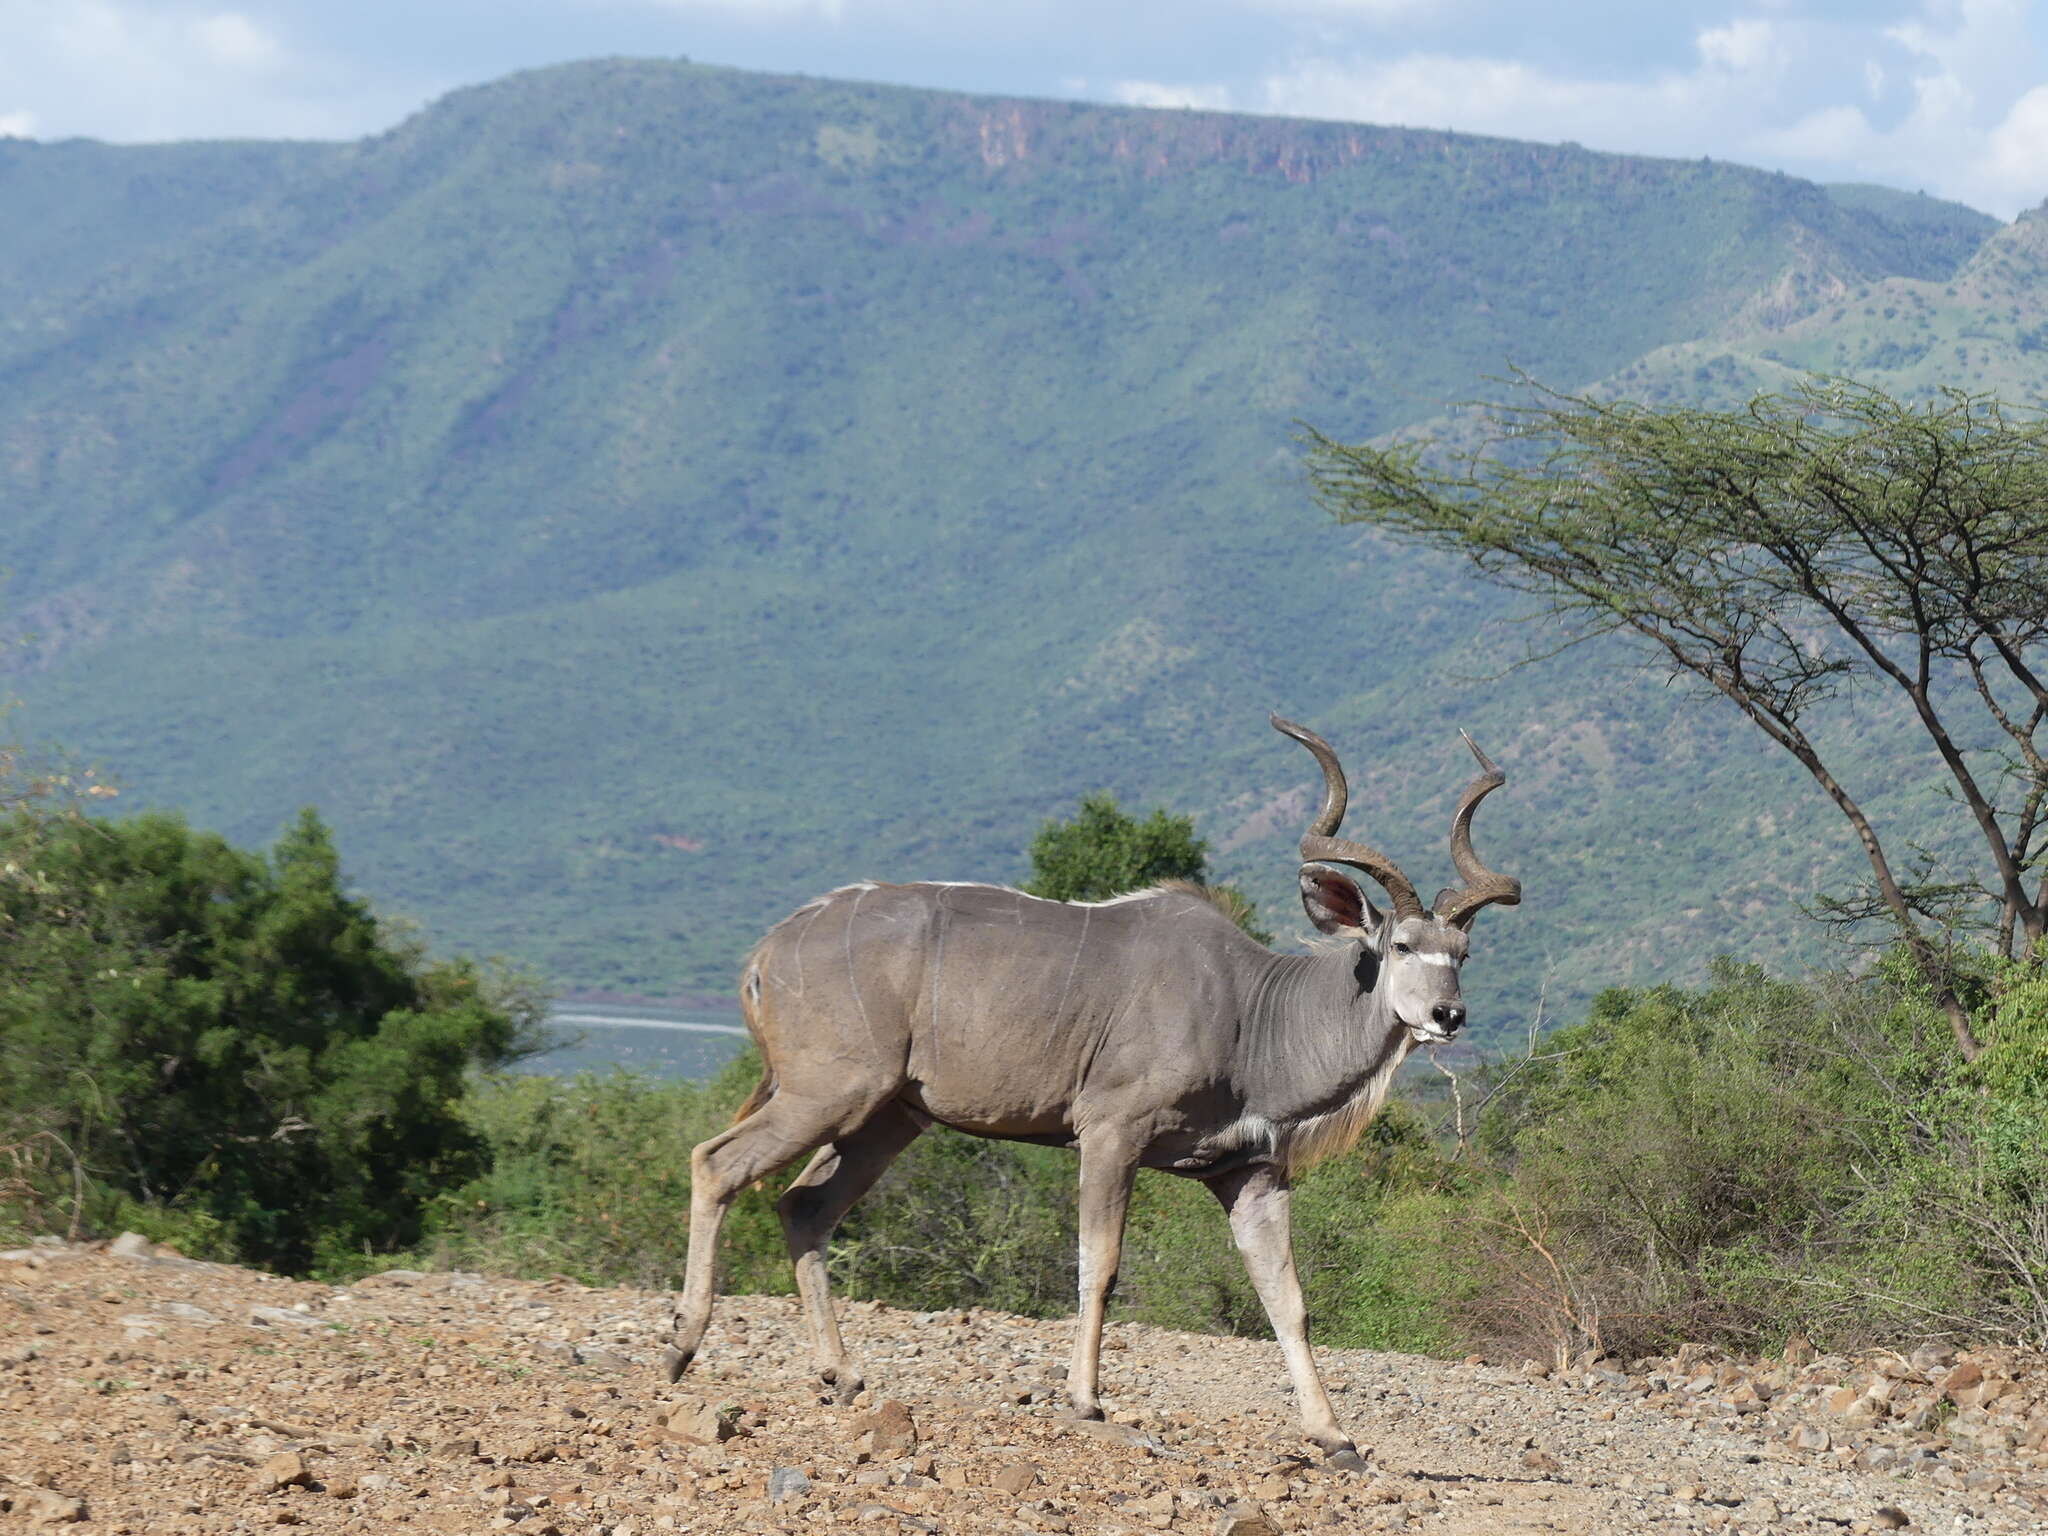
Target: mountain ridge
613	475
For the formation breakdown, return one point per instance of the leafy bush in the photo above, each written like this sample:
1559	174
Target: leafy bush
1360	1224
1105	851
1757	1159
590	1177
229	1050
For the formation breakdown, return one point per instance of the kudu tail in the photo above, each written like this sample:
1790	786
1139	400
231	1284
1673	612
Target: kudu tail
750	1006
757	1098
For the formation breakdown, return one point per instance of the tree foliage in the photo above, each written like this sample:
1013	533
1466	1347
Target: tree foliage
231	1048
1105	851
1818	544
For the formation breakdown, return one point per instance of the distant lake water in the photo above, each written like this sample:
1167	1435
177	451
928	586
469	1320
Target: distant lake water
600	1038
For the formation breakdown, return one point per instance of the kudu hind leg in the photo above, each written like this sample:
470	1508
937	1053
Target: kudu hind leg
1259	1206
1108	1169
838	1175
773	1137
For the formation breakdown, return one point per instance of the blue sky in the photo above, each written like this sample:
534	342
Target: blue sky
1948	96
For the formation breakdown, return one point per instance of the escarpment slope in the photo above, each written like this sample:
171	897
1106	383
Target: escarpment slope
632	496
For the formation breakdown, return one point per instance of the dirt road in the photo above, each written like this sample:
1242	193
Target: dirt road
151	1394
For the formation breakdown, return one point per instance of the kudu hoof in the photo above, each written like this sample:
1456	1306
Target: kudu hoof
674	1362
1349	1459
844	1385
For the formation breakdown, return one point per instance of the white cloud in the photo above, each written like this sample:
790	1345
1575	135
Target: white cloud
1359	10
17	125
779	10
2018	153
234	40
163	69
1742	46
1831	133
1498	96
1974	124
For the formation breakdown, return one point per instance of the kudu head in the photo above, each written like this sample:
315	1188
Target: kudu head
1417	953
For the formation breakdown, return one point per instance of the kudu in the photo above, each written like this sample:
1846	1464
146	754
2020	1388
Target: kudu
1147	1031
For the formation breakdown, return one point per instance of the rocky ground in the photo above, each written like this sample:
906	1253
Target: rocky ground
141	1392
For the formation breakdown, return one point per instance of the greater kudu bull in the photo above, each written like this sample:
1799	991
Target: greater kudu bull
1147	1031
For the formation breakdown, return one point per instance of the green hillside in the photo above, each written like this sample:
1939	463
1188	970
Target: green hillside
630	497
1981	326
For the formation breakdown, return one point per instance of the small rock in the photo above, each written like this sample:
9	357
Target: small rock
131	1245
887	1431
48	1507
185	1312
1014	1479
1236	1523
787	1483
1930	1358
283	1470
1966	1375
457	1447
282	1317
1989	1390
1809	1437
1115	1434
700	1422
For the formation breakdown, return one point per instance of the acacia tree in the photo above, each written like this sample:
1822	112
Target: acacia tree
1818	541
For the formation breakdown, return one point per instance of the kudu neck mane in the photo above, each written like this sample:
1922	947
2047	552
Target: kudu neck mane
1317	1032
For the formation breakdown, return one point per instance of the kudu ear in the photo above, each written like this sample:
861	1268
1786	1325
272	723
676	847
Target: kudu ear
1336	904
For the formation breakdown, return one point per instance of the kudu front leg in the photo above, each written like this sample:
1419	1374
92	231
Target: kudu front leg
1108	1169
1259	1203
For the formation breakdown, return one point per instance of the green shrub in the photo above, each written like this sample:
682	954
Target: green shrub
1757	1159
1358	1225
590	1177
229	1050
